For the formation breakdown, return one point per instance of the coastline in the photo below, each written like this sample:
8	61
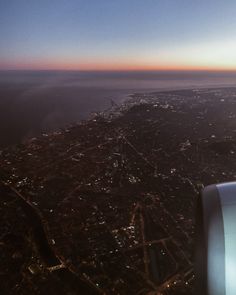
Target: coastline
119	190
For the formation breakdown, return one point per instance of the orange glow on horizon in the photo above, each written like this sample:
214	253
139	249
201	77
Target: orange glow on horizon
98	66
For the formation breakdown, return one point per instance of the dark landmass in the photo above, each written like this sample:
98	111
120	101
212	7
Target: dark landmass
107	206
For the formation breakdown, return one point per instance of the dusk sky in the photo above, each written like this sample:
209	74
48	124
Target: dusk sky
118	35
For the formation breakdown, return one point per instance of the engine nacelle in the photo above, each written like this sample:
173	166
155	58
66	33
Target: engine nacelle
216	240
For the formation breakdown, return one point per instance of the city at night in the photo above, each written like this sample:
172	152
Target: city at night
117	147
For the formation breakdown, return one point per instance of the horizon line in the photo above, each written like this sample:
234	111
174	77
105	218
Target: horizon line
119	70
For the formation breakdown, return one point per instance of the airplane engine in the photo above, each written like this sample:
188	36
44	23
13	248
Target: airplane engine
216	240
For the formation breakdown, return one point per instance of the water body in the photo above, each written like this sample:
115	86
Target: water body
32	102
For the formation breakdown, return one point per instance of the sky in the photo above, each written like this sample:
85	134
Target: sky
118	34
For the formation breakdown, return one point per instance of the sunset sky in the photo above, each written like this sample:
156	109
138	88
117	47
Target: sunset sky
118	34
